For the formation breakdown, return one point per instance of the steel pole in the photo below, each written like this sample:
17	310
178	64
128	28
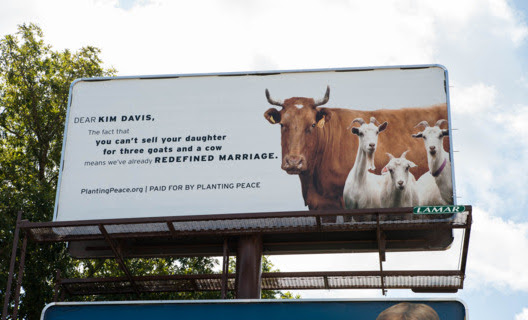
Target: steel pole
20	275
248	267
11	273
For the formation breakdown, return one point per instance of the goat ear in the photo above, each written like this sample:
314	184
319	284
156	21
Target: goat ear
384	171
445	133
418	135
383	126
355	130
440	122
272	115
412	164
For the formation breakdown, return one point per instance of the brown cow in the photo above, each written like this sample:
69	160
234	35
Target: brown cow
409	311
317	146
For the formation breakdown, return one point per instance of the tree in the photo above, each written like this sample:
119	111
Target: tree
34	85
34	88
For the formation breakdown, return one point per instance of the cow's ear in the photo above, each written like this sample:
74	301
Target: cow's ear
272	115
325	113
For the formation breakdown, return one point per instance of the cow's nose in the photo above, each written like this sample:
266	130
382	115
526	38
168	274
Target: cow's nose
294	163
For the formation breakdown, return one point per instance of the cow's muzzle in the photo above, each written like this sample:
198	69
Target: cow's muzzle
294	164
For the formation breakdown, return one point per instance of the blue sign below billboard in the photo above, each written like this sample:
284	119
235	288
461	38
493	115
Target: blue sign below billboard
259	310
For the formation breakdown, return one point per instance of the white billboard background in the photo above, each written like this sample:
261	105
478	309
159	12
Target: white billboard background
231	106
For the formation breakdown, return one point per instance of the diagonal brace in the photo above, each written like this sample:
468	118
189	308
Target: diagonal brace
119	258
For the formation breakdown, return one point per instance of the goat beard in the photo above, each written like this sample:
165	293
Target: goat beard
370	161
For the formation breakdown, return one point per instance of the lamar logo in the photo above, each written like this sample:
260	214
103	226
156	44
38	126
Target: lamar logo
438	209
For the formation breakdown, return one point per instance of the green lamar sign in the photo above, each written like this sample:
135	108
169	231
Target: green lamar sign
438	209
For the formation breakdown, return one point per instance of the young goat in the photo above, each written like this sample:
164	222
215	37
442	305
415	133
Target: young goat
398	187
437	157
362	187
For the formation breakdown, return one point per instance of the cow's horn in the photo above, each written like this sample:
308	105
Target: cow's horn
273	102
423	123
373	120
325	99
359	120
440	122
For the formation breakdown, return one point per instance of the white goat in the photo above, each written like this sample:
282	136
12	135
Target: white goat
398	186
428	191
437	158
362	187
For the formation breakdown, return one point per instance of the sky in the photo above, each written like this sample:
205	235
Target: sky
482	43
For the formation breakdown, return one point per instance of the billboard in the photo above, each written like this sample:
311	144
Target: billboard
278	309
256	142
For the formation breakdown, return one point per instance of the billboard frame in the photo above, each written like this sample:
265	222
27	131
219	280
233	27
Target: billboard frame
33	230
46	232
253	301
258	73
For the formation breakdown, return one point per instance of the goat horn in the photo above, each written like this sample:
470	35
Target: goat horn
373	120
390	156
358	120
440	122
325	99
423	123
273	102
404	154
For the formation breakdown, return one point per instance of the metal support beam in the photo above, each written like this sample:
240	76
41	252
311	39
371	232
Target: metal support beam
225	270
248	268
326	284
57	286
171	228
119	258
20	275
465	248
381	251
11	273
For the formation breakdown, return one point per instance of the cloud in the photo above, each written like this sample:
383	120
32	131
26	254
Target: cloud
523	315
497	253
162	36
478	97
491	138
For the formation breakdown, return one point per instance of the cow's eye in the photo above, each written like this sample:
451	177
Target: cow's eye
313	125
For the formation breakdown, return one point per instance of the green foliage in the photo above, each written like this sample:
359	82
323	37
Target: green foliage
34	87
